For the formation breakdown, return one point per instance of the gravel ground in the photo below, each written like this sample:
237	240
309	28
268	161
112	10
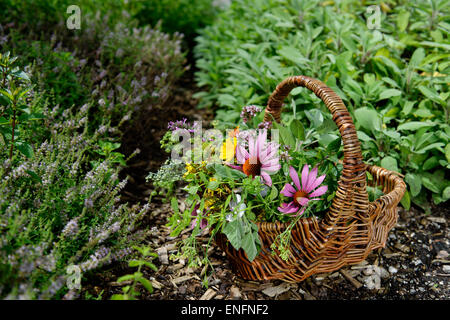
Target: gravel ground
414	265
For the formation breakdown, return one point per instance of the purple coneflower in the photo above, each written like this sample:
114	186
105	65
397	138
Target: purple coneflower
304	192
261	158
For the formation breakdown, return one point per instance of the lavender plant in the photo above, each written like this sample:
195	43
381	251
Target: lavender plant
54	214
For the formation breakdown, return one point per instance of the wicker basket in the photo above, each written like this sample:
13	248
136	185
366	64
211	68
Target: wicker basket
352	227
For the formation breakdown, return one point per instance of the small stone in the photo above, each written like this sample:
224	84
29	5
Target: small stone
162	255
208	295
446	268
402	247
437	219
182	290
442	254
277	290
417	262
393	270
235	293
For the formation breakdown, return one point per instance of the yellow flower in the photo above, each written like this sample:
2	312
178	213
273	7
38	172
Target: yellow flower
228	149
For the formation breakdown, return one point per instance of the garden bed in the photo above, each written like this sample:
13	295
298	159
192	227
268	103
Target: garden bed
412	266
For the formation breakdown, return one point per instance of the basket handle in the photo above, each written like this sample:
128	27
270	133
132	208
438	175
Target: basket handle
351	195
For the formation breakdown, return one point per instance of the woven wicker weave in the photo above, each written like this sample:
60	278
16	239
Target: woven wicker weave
352	227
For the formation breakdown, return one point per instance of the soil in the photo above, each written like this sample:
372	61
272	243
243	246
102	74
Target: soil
414	264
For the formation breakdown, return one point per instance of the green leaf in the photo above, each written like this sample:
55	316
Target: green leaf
417	57
234	232
25	149
213	185
432	95
446	193
286	135
126	277
146	283
273	193
334	146
447	152
402	20
414	125
34	176
315	117
293	54
151	265
414	182
227	172
3	121
436	145
430	185
297	129
390	163
174	205
430	163
389	93
369	119
249	245
406	201
135	263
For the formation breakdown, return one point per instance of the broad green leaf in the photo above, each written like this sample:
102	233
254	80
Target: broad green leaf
402	20
233	231
315	117
146	283
417	57
415	183
286	136
414	125
213	185
369	119
363	136
249	245
335	145
406	200
446	193
25	149
390	163
429	184
227	172
430	163
389	93
297	129
436	145
432	95
293	54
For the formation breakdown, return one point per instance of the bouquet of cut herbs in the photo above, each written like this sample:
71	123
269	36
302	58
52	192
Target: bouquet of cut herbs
255	172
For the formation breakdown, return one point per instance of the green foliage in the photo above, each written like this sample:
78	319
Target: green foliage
15	114
130	292
185	16
60	204
393	79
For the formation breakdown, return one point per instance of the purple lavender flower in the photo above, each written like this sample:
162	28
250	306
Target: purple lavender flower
249	112
181	124
265	125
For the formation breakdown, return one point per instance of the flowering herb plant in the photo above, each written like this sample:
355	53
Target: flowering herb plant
260	172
